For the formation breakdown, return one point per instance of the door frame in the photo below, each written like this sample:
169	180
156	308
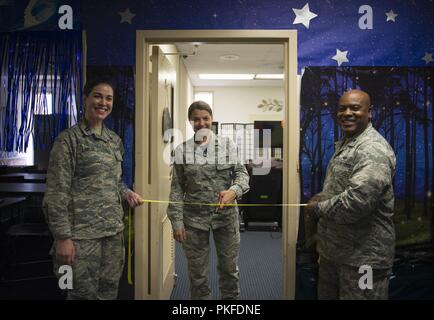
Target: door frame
291	132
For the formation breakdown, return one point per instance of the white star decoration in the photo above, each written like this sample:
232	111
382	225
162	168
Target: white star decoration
127	16
427	57
391	16
341	57
304	15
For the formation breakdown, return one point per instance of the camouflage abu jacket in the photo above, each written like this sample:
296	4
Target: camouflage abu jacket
84	192
198	175
357	202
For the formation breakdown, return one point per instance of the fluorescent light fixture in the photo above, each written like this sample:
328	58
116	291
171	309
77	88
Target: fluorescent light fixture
222	76
230	57
275	76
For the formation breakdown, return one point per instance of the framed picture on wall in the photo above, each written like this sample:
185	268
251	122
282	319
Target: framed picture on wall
168	121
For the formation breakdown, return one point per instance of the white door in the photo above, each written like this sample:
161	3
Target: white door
152	226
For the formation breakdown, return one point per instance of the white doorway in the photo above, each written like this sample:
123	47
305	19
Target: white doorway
153	243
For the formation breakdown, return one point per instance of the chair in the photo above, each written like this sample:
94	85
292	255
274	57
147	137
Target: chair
29	266
265	189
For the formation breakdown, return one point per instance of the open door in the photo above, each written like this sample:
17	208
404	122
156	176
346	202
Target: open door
159	269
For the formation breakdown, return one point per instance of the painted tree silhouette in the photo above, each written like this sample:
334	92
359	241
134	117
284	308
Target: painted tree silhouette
403	114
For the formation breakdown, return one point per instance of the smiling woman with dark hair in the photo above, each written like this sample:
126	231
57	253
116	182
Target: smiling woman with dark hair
83	201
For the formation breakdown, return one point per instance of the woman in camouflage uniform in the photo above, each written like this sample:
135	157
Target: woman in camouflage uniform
83	201
205	171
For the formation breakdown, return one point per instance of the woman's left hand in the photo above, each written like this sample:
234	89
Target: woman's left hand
133	199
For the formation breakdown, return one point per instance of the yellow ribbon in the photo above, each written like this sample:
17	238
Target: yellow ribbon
227	204
130	278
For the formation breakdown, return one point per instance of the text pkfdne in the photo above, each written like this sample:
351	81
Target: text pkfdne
238	309
228	309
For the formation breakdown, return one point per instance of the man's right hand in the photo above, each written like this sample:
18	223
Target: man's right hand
179	235
65	251
316	198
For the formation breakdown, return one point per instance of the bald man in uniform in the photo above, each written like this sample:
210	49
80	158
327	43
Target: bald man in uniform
356	233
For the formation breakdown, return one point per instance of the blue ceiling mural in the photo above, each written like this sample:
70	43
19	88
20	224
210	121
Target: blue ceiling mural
394	33
330	32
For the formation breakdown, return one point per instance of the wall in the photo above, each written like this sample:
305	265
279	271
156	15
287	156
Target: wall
239	104
372	33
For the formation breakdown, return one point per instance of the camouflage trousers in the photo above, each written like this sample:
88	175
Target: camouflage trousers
196	248
341	282
97	268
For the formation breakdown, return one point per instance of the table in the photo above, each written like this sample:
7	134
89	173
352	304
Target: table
11	211
22	189
27	177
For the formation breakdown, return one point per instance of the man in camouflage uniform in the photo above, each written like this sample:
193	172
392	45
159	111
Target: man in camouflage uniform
355	208
206	170
83	200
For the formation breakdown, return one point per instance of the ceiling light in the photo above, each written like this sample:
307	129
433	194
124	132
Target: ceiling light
222	76
275	76
229	57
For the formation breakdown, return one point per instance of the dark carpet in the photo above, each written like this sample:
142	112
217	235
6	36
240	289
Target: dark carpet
260	268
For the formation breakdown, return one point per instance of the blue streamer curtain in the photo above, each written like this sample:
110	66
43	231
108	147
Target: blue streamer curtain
40	91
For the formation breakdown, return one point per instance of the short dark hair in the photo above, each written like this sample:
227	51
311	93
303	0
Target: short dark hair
199	105
96	81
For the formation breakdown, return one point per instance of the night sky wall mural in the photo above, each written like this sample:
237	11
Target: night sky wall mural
330	33
384	47
402	113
